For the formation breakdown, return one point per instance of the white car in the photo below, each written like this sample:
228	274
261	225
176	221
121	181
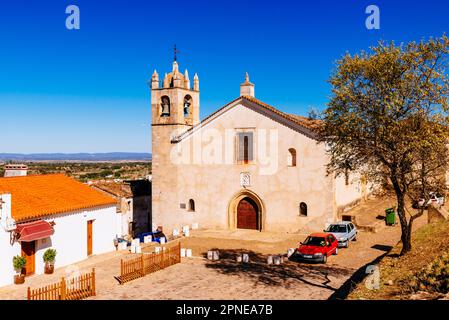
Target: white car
344	231
435	198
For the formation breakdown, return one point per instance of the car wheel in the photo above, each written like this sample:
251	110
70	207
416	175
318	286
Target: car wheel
355	238
347	244
324	259
336	251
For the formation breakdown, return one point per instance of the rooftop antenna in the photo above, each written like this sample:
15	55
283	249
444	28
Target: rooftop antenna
176	51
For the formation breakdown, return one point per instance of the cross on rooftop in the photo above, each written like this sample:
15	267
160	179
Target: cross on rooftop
176	51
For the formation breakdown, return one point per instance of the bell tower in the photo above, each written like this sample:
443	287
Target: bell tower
176	102
175	105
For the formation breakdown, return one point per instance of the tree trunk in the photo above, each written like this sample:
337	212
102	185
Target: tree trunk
406	228
406	238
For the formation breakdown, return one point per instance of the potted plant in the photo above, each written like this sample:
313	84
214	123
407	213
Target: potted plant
49	259
19	263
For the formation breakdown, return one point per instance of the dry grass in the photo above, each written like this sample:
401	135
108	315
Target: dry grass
429	242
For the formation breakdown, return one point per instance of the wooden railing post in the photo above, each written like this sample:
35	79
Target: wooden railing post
93	282
29	293
142	266
63	289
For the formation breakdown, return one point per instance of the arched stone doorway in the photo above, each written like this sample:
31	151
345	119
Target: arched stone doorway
246	211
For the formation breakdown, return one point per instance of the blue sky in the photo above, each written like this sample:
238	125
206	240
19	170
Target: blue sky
85	90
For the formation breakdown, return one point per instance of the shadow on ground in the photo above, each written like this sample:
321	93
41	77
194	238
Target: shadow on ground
382	247
358	276
286	274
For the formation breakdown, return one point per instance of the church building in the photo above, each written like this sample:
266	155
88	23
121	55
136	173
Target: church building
248	165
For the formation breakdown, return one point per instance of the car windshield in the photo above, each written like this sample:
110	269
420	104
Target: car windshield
337	228
315	241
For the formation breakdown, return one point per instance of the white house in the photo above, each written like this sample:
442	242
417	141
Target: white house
14	170
52	211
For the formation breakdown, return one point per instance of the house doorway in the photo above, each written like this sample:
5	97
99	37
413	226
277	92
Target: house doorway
89	237
28	252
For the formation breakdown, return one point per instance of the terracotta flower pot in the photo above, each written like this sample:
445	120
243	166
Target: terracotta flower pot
19	279
49	268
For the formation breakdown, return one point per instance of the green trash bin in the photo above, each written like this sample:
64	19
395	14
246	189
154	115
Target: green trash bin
390	218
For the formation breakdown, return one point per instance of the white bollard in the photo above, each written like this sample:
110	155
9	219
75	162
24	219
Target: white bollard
133	249
290	252
162	240
183	252
187	233
195	226
136	242
175	232
157	249
245	258
189	253
185	228
270	260
239	258
216	255
277	260
122	245
138	249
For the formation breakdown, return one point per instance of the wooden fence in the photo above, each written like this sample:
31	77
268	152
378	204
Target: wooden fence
148	263
67	289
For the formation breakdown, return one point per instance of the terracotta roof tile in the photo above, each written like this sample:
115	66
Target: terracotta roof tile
302	121
117	189
42	195
312	124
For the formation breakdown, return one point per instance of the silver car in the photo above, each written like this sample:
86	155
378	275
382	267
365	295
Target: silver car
344	231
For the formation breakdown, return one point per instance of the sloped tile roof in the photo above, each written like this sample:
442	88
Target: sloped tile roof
310	124
42	195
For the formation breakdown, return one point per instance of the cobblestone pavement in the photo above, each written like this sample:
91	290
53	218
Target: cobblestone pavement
198	278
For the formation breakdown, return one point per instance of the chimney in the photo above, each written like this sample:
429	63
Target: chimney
247	88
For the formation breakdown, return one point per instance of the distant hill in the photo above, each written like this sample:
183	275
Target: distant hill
111	156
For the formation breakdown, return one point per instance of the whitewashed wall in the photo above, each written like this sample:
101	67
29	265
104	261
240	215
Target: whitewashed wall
346	194
69	240
7	251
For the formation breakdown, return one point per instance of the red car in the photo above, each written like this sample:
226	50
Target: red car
317	247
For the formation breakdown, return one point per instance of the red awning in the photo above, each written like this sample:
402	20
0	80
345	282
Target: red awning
34	230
